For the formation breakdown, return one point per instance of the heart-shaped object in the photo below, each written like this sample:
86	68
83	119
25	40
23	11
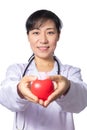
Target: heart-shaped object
42	88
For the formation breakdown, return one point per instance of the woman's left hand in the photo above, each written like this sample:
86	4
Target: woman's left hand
61	86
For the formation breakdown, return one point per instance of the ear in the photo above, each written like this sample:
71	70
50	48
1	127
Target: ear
58	37
28	37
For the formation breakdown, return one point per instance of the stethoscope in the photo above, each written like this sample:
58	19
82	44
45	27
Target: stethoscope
32	58
29	62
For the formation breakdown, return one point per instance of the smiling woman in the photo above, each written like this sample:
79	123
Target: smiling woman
69	92
43	40
43	31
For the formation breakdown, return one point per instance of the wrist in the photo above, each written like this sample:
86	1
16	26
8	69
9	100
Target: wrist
67	90
18	91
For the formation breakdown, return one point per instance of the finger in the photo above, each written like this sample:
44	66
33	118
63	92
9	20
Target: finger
29	78
41	102
55	85
31	100
46	103
30	96
55	95
55	78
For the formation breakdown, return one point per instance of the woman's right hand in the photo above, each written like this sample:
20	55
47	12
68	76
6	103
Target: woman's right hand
23	89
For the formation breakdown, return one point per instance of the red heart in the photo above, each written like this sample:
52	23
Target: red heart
42	88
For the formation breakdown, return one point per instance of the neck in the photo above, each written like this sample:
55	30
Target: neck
44	65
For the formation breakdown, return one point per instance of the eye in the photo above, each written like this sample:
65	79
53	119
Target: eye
51	32
36	33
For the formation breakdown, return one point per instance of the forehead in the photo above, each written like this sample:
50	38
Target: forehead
41	23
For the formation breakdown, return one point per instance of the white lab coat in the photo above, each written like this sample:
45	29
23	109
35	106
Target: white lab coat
58	115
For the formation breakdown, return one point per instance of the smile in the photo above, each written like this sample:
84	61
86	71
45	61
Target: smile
43	48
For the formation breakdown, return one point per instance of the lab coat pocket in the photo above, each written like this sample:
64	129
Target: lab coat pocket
20	121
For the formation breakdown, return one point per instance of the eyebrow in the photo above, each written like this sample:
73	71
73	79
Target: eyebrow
50	28
46	29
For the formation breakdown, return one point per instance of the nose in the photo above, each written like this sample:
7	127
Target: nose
43	38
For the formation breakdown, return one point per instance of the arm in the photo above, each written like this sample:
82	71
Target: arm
9	96
75	99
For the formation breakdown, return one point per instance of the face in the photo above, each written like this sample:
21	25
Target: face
43	40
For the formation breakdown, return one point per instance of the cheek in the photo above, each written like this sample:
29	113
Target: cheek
54	46
54	43
32	43
32	46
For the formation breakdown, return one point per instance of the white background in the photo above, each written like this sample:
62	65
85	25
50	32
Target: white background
14	47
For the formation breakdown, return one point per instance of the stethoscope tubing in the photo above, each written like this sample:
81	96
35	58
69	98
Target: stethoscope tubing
32	58
24	73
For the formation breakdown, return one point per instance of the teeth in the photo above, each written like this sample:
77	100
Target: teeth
43	48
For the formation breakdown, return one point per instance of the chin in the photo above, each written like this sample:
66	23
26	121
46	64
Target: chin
45	56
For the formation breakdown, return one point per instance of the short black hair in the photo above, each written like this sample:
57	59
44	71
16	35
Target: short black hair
37	18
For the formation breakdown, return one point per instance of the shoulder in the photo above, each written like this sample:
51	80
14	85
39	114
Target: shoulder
69	70
67	67
16	69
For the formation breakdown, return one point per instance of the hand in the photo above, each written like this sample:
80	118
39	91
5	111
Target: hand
24	91
61	85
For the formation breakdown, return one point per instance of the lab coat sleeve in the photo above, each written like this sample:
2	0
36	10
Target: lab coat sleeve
8	90
76	98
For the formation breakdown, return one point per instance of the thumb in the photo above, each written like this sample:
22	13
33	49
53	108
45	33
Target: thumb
29	78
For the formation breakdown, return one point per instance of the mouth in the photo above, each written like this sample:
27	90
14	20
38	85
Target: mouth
43	48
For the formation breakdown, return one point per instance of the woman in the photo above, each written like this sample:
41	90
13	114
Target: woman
70	92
